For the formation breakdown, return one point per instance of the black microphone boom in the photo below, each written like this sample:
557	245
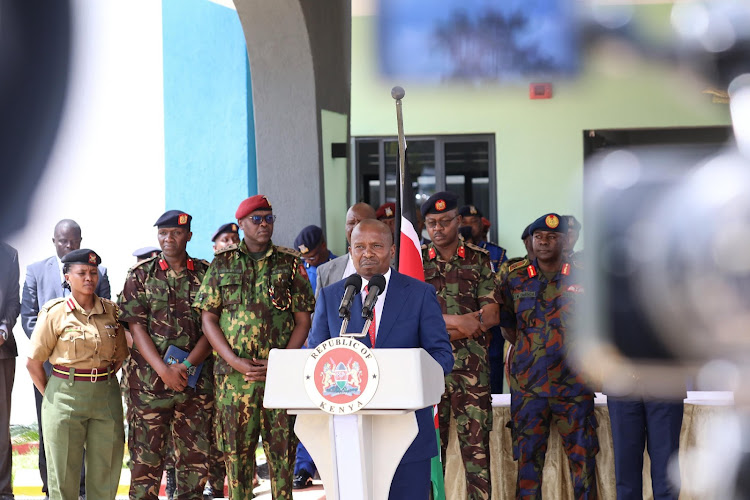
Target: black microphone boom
374	288
351	288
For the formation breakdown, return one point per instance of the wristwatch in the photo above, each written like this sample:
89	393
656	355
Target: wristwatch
3	333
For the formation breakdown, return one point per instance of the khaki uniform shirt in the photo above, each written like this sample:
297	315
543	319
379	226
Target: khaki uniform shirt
68	336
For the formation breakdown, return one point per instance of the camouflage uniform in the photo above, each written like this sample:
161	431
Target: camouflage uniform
465	284
544	388
255	298
160	300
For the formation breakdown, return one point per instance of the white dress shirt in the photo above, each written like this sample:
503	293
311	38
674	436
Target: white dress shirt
381	299
350	269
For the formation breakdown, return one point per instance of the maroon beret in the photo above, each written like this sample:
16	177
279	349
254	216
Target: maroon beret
249	205
386	211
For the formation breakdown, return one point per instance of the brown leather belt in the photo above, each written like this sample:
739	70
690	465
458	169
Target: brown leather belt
82	375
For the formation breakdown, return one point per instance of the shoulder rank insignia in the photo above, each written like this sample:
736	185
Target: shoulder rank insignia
70	304
461	251
565	269
50	304
190	264
432	253
531	270
290	251
518	264
476	248
227	248
163	265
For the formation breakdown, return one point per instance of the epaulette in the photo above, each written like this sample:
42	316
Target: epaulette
521	263
290	251
139	264
226	249
52	303
203	261
476	248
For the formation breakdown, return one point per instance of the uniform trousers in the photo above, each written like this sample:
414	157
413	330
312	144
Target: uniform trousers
636	424
7	376
78	414
531	420
242	418
470	402
185	419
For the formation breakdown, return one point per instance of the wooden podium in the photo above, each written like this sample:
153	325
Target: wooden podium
357	454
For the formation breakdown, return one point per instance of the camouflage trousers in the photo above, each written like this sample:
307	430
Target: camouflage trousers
531	419
241	419
156	419
217	470
467	396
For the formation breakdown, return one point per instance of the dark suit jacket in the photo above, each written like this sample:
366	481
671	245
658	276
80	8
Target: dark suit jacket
411	318
9	304
43	283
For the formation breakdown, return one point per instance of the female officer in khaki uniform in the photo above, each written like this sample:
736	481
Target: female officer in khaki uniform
81	408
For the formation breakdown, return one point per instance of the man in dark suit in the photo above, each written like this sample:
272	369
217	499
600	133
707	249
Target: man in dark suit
43	283
343	267
407	315
9	309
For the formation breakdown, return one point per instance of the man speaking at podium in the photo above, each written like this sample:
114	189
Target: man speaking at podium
406	315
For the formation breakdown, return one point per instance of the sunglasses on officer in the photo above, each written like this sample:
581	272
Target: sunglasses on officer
257	219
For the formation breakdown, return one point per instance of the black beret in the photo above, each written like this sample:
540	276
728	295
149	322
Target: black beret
573	222
439	202
308	239
469	211
229	227
146	252
549	222
82	256
525	234
174	218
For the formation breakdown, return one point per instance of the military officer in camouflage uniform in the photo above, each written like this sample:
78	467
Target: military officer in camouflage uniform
156	302
537	299
255	297
471	217
468	296
502	273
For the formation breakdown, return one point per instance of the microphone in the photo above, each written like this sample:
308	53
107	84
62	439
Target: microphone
374	288
352	287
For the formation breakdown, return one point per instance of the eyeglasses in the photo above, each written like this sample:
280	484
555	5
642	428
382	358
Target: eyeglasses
257	219
432	223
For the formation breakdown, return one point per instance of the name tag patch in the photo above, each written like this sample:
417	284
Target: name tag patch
524	295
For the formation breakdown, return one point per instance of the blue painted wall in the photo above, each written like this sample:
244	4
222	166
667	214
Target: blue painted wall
208	122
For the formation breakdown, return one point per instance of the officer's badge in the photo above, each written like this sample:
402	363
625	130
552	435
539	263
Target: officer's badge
461	251
565	269
265	198
163	264
182	219
303	271
341	376
552	221
431	253
303	249
92	258
234	227
388	212
531	270
440	205
190	265
472	210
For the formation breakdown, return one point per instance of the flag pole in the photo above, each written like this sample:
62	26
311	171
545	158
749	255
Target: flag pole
398	93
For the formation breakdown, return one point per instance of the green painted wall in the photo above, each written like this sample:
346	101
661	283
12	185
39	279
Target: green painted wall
333	129
538	143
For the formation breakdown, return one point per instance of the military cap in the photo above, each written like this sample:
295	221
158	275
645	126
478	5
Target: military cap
386	211
82	256
249	205
229	227
439	202
174	218
549	222
308	239
469	211
573	222
146	252
525	234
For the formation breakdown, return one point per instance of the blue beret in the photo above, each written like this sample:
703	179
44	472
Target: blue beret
440	202
229	227
549	222
82	256
308	239
525	234
174	218
469	211
146	252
